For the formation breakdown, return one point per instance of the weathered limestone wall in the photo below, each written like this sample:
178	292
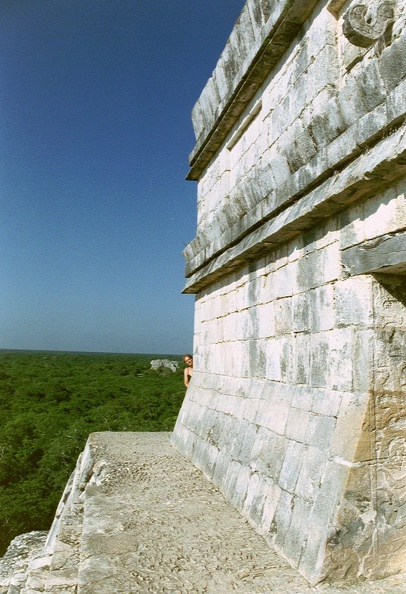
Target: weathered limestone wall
297	409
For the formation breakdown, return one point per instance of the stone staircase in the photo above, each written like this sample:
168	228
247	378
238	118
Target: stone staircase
136	517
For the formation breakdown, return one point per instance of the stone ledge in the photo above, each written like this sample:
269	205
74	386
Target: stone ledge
385	254
385	163
153	523
226	94
348	146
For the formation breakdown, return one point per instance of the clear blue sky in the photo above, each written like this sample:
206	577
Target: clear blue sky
95	133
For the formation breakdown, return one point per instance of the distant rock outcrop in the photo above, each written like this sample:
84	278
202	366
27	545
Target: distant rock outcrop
164	363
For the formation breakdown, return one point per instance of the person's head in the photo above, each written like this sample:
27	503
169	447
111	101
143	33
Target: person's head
188	360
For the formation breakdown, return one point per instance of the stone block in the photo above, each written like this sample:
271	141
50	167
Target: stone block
296	68
295	249
250	411
362	357
285	281
295	540
349	430
209	460
199	449
324	70
352	226
266	320
239	492
228	483
312	470
385	213
291	466
322	514
268	454
326	22
296	425
288	359
302	359
303	397
353	302
320	236
254	500
327	123
255	388
283	315
263	179
293	105
198	119
318	268
221	78
277	124
331	363
209	101
326	402
393	62
319	361
273	363
370	126
271	500
396	102
280	168
229	433
320	431
256	358
246	38
345	145
234	407
300	149
322	312
273	415
341	360
371	84
301	313
220	468
282	519
269	13
244	445
351	101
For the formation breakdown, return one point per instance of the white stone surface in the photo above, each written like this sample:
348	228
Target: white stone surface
309	166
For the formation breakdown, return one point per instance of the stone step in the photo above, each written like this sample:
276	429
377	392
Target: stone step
55	568
14	565
58	571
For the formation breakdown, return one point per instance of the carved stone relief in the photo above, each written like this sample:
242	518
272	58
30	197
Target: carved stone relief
371	521
363	25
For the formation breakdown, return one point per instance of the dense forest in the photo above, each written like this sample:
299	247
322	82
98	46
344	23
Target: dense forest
50	402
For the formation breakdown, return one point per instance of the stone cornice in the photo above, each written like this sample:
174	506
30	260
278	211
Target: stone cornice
363	135
384	255
384	163
225	96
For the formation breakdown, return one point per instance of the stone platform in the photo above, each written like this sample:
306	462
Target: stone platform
136	517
